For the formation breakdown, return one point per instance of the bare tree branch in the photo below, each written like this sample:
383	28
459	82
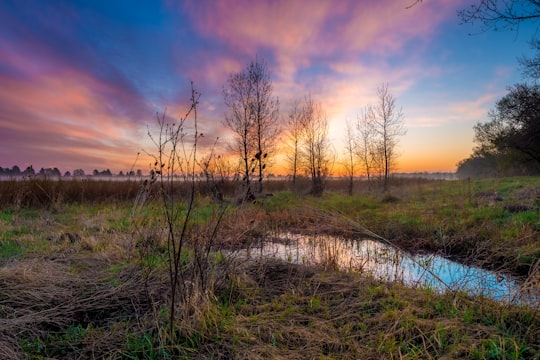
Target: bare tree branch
501	14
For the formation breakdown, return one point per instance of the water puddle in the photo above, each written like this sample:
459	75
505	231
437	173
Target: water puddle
386	263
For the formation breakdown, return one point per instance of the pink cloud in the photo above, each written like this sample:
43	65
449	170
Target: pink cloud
340	51
334	35
65	117
275	24
296	32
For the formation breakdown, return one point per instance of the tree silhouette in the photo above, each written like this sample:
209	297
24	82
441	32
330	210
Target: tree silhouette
252	116
388	125
501	14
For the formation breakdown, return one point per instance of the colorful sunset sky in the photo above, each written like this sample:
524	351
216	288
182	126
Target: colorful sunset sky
81	81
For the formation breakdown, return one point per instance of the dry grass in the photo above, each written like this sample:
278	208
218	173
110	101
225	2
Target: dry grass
78	291
41	298
289	311
80	307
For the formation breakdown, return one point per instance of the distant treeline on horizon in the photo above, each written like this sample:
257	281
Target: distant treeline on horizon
16	171
55	173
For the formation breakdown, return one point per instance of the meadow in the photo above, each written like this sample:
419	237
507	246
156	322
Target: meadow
85	271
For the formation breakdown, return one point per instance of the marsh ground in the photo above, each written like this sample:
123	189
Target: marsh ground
76	283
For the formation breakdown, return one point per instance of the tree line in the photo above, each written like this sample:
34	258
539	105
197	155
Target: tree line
29	172
509	142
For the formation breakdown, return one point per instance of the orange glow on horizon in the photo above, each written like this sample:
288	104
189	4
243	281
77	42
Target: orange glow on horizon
87	99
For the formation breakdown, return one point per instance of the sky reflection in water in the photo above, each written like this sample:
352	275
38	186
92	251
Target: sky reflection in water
386	263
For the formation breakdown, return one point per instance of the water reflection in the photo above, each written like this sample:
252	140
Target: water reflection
386	263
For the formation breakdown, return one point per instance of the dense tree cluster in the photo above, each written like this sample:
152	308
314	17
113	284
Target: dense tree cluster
509	143
16	171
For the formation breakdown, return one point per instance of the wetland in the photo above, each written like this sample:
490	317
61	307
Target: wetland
84	273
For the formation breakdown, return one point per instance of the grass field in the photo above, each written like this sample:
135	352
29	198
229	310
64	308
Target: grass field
85	273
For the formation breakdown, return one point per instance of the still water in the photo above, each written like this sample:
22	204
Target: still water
387	263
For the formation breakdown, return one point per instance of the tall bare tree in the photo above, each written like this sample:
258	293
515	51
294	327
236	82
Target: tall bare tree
388	122
265	111
294	137
252	116
350	153
315	148
365	141
237	96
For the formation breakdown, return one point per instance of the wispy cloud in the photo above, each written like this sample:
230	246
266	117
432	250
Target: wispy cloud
338	51
82	83
57	115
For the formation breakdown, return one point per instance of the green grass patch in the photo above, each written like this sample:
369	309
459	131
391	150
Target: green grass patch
145	346
6	216
11	249
55	344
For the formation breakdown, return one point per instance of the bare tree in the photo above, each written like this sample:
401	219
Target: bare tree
501	14
350	152
314	147
191	278
265	110
238	96
252	117
388	124
365	143
294	137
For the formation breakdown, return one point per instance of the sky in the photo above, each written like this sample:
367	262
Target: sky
81	81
